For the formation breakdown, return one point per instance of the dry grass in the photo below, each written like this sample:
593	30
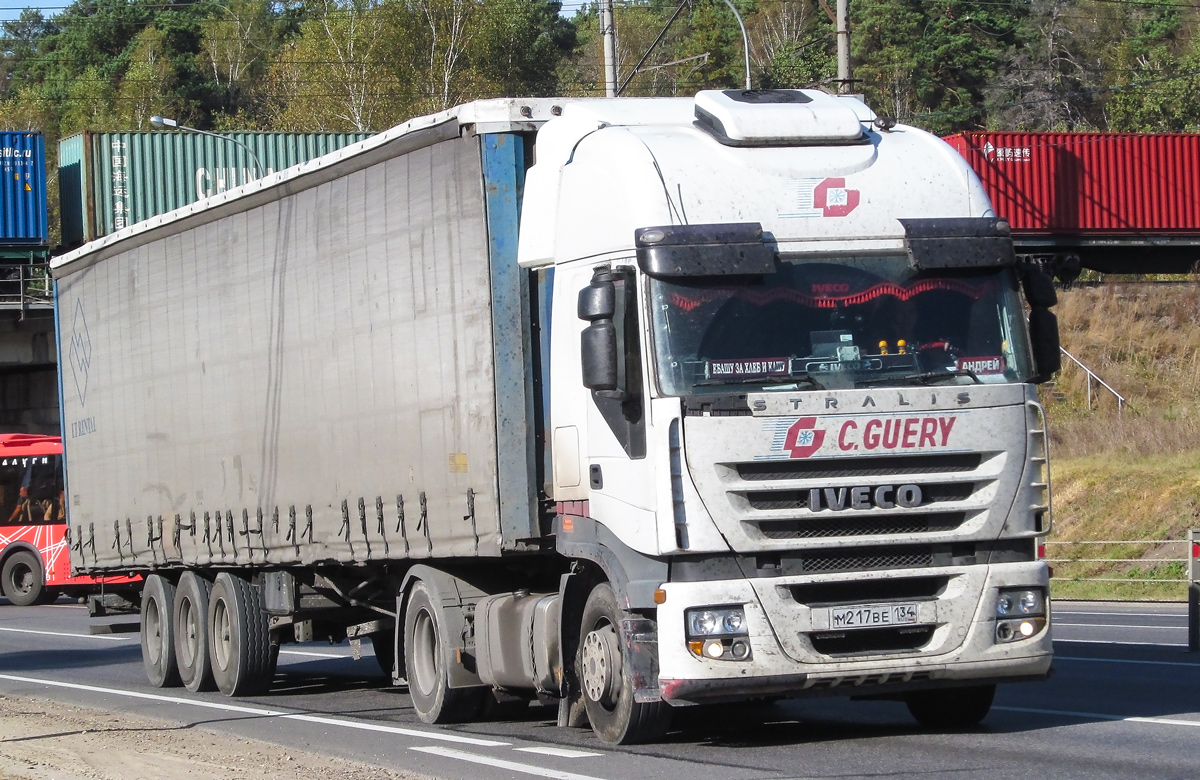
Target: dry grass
1135	475
1145	342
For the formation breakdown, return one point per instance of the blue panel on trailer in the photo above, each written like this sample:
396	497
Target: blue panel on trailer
503	185
23	189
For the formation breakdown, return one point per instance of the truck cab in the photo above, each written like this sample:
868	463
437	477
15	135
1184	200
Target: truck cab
792	405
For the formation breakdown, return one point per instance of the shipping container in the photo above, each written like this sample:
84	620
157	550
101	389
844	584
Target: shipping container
1089	183
111	180
22	189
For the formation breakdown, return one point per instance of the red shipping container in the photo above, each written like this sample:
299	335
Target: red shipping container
1089	184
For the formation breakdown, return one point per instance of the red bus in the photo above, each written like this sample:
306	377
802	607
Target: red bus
34	560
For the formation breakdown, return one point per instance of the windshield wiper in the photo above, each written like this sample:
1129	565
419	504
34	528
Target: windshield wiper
919	379
802	379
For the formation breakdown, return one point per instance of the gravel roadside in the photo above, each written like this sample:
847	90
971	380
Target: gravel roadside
42	739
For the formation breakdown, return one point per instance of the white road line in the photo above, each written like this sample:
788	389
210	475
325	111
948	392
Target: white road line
1179	615
499	763
1057	640
104	637
1117	625
1101	716
213	705
557	751
1126	661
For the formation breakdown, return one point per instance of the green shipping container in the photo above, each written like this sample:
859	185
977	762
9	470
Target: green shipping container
108	181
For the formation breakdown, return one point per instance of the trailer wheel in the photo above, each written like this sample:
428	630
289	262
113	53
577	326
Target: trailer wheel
951	709
239	638
21	579
426	658
191	633
607	686
158	632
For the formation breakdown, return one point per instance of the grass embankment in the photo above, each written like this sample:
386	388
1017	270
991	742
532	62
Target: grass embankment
1133	475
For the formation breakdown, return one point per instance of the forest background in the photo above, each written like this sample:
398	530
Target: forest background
363	65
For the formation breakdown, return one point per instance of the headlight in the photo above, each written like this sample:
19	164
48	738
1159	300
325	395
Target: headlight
1016	602
724	621
1020	613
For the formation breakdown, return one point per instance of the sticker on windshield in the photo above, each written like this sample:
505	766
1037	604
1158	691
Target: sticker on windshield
738	369
981	365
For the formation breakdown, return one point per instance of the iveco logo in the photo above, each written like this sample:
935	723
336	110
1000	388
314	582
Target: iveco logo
883	497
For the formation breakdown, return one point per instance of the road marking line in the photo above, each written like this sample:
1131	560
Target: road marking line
557	751
1114	642
312	654
1101	716
213	705
1179	615
1127	661
106	637
1115	625
500	763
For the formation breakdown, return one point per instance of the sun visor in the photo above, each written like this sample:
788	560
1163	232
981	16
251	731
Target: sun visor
967	242
777	117
704	250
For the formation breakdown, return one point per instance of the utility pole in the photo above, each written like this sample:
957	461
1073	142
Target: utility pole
845	80
609	32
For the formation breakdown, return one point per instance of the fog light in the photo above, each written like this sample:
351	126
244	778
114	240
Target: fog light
1004	632
1027	628
714	649
740	650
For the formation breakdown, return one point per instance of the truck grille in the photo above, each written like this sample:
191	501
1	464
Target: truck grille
871	640
860	467
772	499
879	525
867	559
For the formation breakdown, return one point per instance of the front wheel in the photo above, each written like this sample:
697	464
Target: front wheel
951	709
21	579
607	685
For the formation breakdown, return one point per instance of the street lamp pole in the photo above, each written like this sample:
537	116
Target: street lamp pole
162	123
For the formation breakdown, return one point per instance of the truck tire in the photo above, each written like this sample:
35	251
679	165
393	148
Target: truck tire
191	633
383	643
158	632
22	579
239	638
607	686
426	659
951	709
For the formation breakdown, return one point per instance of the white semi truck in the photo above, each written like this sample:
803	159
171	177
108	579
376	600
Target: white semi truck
632	403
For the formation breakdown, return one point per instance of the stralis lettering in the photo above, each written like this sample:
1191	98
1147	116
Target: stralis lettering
895	433
83	427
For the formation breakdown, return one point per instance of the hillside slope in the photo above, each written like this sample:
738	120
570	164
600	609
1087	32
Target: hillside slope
1133	474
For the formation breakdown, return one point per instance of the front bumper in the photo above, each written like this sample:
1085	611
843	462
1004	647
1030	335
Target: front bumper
961	649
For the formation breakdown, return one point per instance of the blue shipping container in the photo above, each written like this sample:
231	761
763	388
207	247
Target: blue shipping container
22	189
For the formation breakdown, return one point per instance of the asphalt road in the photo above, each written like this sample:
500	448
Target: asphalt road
1124	703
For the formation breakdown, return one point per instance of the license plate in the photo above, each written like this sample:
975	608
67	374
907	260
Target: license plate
872	616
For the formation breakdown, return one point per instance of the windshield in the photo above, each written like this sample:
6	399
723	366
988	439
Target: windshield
836	323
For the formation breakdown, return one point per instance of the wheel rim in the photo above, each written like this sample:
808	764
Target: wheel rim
22	578
187	620
223	639
153	621
601	665
425	653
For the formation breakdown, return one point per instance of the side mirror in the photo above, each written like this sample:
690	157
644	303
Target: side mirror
598	354
1039	289
598	301
1043	332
